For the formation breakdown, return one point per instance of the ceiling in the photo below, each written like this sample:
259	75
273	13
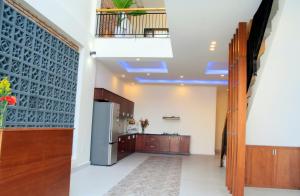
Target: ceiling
193	25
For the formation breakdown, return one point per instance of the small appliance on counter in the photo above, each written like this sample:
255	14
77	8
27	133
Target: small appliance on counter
132	129
106	129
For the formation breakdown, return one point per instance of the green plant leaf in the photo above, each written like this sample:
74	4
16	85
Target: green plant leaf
137	13
120	4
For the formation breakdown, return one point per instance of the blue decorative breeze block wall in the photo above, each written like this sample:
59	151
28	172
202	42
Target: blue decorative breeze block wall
42	69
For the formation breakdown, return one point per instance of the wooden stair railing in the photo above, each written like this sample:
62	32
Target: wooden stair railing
256	36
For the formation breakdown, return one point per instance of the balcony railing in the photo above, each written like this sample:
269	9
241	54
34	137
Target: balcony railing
126	23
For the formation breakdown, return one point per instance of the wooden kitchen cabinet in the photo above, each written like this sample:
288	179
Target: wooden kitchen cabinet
126	106
174	144
184	146
139	146
273	167
126	145
168	144
132	143
151	143
164	144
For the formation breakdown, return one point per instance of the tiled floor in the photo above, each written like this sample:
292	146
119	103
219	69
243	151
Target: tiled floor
200	176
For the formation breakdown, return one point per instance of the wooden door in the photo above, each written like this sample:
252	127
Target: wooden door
287	168
184	145
237	104
164	143
260	166
174	144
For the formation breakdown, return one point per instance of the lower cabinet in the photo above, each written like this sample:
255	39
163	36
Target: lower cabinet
163	144
273	167
175	144
126	145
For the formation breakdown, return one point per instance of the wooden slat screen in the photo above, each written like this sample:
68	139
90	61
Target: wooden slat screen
237	104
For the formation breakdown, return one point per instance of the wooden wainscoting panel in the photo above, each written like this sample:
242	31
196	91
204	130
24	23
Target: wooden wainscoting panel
259	166
273	167
287	167
35	162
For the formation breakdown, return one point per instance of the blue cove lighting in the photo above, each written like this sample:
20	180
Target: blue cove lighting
162	68
216	68
192	82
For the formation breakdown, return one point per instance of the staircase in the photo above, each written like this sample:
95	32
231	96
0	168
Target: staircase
267	41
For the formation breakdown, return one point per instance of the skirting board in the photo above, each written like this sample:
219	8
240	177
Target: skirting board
80	167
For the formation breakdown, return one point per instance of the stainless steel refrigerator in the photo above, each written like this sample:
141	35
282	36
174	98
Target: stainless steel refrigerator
105	131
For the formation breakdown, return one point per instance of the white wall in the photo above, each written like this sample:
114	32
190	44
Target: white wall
195	105
274	115
76	20
106	79
130	47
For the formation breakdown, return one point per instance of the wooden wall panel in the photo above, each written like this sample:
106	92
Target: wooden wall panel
273	167
287	167
35	162
259	166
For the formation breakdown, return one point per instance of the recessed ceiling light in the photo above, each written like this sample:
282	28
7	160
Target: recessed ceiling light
123	76
181	76
148	74
212	46
213	43
212	49
222	75
138	59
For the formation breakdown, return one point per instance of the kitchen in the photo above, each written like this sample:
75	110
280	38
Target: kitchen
167	134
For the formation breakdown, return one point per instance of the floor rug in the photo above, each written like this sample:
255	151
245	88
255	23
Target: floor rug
156	176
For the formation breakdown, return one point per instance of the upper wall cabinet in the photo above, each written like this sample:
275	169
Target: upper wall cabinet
126	106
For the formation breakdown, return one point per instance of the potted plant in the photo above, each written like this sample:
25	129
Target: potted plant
122	17
144	124
5	99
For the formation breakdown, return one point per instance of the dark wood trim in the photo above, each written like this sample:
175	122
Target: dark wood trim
35	161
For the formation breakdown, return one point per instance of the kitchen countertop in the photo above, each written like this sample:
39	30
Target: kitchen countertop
153	134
